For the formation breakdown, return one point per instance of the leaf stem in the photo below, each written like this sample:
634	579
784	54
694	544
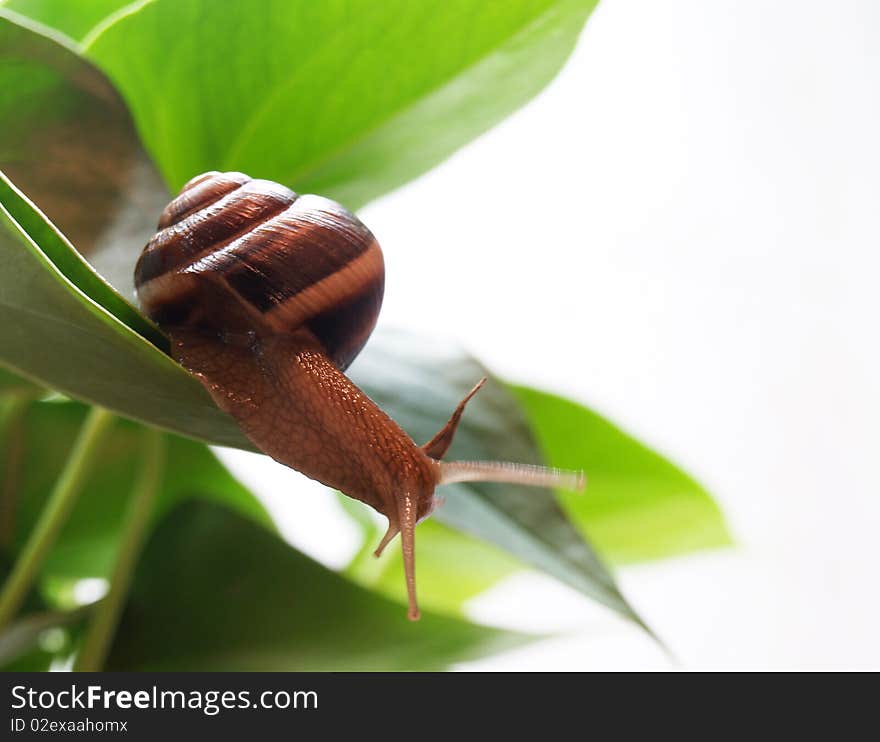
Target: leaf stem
54	514
105	617
13	408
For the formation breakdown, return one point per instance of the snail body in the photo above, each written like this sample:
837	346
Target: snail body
266	298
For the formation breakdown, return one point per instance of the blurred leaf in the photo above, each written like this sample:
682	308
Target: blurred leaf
453	567
345	98
265	606
38	636
88	543
73	19
15	399
68	141
21	648
638	506
11	383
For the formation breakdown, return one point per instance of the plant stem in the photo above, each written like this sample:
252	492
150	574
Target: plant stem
12	412
105	617
55	513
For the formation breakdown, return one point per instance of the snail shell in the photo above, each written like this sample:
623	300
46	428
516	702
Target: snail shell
237	254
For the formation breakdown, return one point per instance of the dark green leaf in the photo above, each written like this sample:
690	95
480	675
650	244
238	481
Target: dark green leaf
68	141
39	635
265	606
33	641
61	254
11	383
51	299
348	99
638	506
54	334
15	399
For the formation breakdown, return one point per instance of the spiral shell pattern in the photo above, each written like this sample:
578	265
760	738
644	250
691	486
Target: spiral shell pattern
240	255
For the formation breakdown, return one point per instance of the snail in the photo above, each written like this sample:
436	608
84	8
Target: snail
267	297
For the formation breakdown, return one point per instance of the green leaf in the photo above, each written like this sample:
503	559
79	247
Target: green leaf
73	19
453	567
348	99
638	506
264	606
33	641
55	307
68	141
11	383
15	398
88	543
39	635
57	336
63	256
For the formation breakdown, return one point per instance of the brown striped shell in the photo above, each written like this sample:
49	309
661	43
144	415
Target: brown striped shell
236	254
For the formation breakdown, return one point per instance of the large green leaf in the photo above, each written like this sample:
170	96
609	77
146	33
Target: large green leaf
346	98
73	19
89	541
68	141
265	606
638	506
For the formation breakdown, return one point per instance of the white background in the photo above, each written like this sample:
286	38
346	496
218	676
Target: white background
681	232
